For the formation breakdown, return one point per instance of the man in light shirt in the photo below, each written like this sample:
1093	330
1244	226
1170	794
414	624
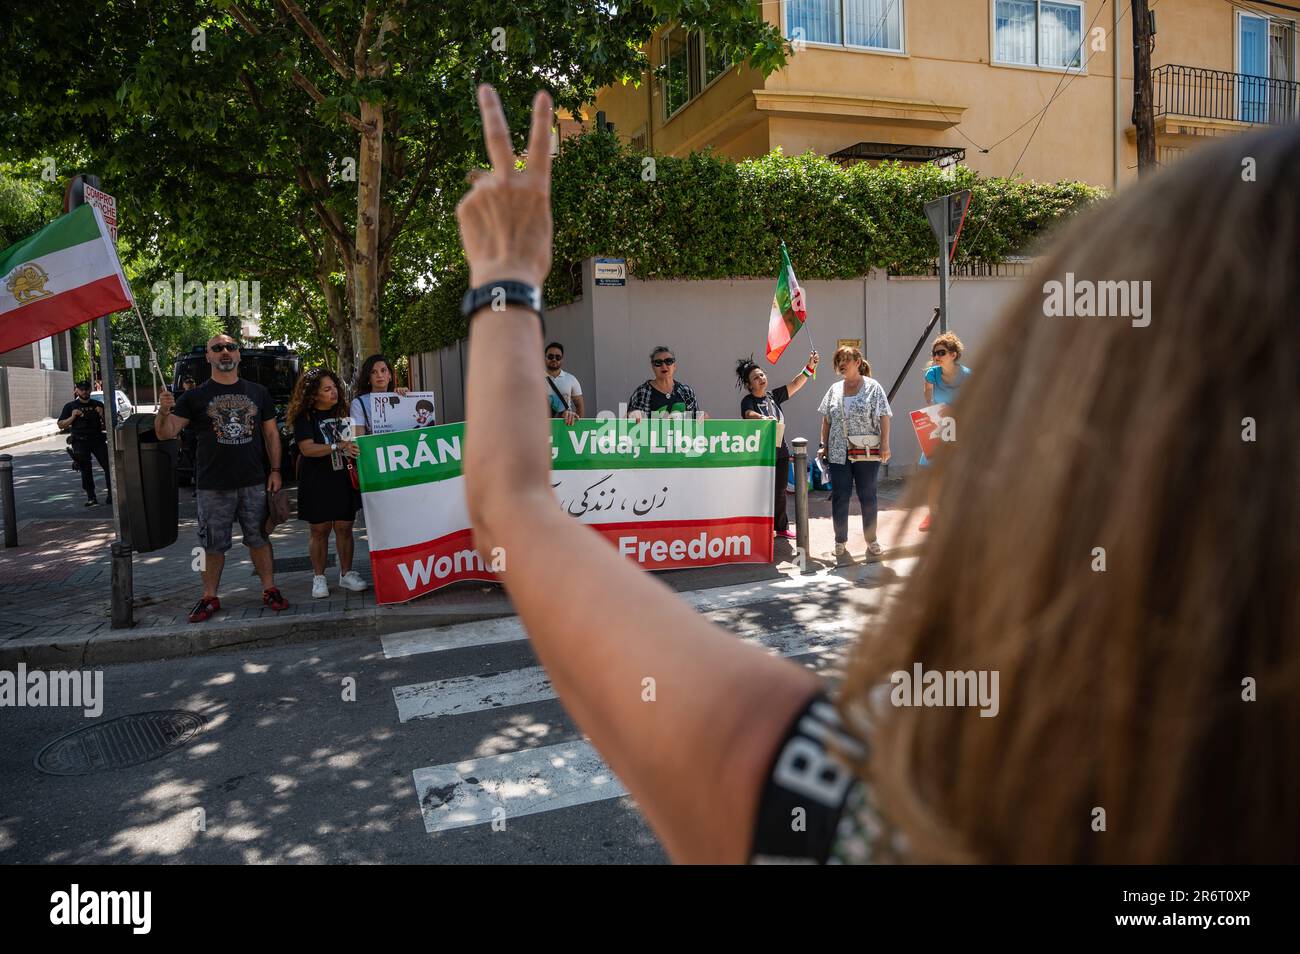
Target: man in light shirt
562	388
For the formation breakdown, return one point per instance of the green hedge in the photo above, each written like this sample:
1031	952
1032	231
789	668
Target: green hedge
707	217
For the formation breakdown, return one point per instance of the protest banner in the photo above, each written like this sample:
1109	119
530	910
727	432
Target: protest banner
666	493
393	412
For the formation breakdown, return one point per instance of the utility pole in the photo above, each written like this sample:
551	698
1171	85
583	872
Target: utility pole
1143	97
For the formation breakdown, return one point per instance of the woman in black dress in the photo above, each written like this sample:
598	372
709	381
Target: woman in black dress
326	498
763	404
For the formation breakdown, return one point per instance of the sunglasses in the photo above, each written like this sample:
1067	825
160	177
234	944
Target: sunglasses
664	362
938	352
217	349
555	357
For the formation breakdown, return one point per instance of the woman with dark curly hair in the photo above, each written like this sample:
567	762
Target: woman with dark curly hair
327	500
760	404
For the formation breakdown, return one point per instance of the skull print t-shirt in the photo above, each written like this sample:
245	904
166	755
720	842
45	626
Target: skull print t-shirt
227	422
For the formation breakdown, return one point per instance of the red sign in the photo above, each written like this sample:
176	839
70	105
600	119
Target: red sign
927	422
107	206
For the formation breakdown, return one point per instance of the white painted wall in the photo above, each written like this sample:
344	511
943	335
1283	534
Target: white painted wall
608	335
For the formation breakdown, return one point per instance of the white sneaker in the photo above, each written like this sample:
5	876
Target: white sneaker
841	549
351	580
319	588
874	548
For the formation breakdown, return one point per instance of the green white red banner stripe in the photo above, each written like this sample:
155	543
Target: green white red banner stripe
66	274
677	494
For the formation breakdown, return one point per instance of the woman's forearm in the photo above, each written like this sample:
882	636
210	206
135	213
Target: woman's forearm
685	714
507	442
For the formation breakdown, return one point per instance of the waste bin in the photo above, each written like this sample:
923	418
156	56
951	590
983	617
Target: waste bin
148	475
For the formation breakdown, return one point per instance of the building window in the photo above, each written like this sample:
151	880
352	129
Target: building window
1266	62
687	68
47	354
863	24
1038	33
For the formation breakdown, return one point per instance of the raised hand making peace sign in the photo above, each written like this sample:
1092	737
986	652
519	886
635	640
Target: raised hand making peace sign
505	219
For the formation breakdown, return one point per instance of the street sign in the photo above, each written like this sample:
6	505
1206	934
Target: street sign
132	362
107	206
611	271
947	214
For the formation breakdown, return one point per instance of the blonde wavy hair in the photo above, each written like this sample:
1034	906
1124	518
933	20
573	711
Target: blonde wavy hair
1120	544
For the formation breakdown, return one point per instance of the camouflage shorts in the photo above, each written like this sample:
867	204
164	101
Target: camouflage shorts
218	511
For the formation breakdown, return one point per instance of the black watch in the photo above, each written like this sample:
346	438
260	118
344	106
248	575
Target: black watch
501	293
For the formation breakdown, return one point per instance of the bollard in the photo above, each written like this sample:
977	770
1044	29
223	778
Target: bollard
7	499
123	584
799	452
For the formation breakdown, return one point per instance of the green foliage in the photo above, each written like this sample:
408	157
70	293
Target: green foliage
706	217
226	166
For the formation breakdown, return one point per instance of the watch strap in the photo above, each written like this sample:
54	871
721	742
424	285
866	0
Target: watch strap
499	294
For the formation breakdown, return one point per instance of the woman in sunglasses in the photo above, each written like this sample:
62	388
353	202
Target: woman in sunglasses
943	381
662	396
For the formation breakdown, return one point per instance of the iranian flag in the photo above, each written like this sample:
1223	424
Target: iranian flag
788	312
65	275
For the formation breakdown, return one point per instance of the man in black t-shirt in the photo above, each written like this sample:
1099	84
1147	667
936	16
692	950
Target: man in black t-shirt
86	419
234	422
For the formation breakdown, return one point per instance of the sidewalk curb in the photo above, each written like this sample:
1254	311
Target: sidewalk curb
7	442
147	644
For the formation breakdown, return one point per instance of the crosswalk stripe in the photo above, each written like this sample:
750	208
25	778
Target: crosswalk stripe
509	628
516	687
482	790
460	794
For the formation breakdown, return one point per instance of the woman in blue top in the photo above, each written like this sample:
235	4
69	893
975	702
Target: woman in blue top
943	381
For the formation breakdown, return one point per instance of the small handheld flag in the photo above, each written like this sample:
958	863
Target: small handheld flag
788	311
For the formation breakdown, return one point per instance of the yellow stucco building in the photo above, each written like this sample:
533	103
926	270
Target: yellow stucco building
977	81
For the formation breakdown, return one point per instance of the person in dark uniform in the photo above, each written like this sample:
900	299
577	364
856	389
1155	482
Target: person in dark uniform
86	419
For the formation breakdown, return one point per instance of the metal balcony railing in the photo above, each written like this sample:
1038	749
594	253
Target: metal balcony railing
1214	94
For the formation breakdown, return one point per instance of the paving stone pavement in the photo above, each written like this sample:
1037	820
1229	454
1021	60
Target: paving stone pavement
55	588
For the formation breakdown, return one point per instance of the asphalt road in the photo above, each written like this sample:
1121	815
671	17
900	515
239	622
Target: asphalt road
287	770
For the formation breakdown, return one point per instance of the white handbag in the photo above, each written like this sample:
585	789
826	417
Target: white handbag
862	448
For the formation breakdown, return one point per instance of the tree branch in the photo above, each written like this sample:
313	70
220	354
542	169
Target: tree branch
316	37
417	190
301	81
329	218
363	39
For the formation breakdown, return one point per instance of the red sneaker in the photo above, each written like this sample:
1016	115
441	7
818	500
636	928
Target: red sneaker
204	609
275	599
925	524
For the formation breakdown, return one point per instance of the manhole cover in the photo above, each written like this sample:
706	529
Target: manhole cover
119	743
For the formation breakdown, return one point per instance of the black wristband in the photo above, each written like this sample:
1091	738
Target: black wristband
803	797
499	294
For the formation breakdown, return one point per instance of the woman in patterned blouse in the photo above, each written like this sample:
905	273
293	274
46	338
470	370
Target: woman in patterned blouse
853	409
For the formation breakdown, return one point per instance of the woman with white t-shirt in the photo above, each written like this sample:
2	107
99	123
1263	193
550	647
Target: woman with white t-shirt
375	376
855	442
